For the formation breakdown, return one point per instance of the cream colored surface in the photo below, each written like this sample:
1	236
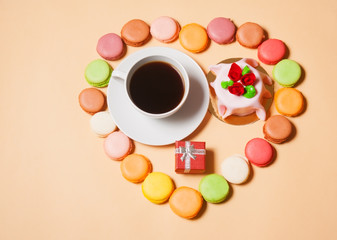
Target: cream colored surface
56	181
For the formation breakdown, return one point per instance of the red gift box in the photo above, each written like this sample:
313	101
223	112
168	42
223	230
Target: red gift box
190	157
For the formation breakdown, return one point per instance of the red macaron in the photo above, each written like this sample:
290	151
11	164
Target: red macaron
271	51
259	152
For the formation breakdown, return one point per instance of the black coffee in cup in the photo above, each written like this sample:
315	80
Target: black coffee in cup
156	87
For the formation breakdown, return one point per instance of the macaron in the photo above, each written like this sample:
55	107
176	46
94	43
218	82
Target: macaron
235	169
97	73
259	152
287	72
193	37
214	188
289	101
136	33
186	202
250	35
277	129
110	47
135	167
92	100
117	145
271	51
102	124
157	187
165	29
221	30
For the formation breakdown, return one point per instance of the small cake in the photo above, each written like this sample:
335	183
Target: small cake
239	89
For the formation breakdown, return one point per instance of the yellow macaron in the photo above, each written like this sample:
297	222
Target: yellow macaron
157	187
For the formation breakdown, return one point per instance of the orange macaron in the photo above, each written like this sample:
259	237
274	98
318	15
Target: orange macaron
92	100
186	202
277	129
193	37
135	168
289	102
250	35
136	33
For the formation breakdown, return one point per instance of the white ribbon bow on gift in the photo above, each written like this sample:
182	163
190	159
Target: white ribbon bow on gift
188	152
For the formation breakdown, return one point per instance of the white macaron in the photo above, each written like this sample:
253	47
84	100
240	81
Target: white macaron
102	124
235	169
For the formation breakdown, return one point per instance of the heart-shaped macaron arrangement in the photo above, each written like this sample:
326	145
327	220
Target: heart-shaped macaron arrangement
158	187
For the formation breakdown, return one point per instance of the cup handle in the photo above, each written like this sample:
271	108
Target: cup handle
118	74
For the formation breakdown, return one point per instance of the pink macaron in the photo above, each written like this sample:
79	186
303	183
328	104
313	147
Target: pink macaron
259	152
221	30
271	51
110	47
165	29
117	145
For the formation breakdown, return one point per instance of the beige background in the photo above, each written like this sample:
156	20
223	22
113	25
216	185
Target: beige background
57	183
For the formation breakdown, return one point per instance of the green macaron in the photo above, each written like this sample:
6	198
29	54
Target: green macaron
287	72
97	73
214	188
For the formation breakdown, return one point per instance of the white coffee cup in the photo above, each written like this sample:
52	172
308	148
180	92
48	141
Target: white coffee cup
127	77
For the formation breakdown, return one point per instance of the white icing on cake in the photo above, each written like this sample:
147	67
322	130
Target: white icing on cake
230	104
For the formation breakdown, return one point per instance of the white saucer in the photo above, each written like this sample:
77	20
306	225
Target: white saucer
162	131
